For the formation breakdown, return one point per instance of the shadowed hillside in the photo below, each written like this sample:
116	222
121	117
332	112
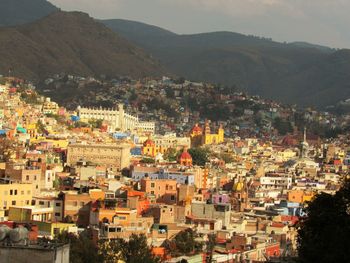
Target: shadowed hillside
298	72
71	43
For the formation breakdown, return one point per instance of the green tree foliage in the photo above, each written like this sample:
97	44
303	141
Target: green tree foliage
133	96
82	248
135	250
217	112
180	80
40	127
96	123
6	149
170	92
30	98
283	126
184	243
323	236
200	156
158	103
147	160
210	246
226	157
113	250
171	155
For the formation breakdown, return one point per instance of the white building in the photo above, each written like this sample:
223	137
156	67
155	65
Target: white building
118	119
275	182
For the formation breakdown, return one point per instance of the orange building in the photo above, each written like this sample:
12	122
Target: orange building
161	190
138	200
300	196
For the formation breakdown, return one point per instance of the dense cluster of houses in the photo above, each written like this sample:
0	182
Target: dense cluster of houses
59	171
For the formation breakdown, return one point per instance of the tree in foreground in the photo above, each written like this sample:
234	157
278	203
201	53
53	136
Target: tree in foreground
200	156
82	248
184	243
323	236
135	250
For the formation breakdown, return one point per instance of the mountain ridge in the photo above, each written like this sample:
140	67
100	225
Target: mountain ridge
74	43
17	12
289	72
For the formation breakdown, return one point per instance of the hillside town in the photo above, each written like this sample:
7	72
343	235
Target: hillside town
201	175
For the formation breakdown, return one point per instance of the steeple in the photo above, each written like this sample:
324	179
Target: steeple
206	127
304	146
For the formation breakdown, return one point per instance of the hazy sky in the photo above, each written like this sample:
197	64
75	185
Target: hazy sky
316	21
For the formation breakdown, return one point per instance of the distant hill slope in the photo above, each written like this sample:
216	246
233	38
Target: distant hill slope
16	12
71	43
299	73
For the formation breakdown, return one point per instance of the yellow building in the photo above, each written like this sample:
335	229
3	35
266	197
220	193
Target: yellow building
300	196
149	148
200	137
56	143
15	194
162	144
51	229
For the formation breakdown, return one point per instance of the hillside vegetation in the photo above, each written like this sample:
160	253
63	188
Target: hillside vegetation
72	43
298	72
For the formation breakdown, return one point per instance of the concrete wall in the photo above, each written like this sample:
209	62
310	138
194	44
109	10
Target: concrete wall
31	254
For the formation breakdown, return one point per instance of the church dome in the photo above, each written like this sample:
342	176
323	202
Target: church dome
185	155
237	187
196	129
185	158
149	143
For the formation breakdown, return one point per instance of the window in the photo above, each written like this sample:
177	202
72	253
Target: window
15	192
13	203
56	231
152	185
172	198
57	214
122	217
22	192
28	192
152	192
11	192
27	177
58	204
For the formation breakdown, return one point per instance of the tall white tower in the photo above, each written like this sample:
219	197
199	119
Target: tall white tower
121	123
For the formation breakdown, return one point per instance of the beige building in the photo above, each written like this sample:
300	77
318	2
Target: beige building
15	194
22	173
115	156
50	107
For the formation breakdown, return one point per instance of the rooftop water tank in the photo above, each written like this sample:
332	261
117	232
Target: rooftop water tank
18	234
4	231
